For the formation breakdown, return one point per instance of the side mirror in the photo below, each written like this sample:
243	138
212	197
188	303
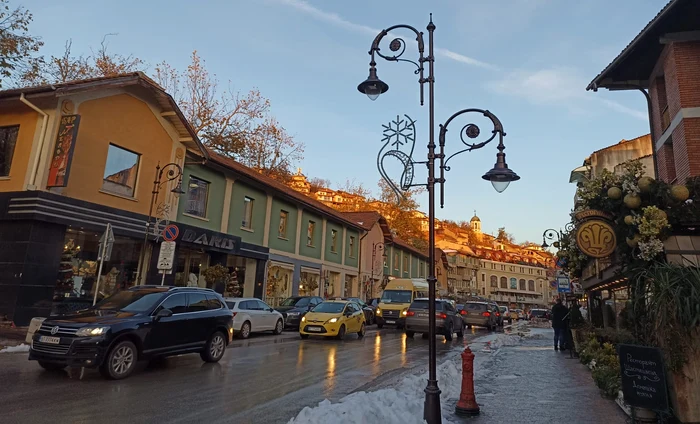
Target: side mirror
163	313
271	310
348	313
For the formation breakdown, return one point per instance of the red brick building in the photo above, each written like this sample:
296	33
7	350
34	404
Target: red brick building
663	61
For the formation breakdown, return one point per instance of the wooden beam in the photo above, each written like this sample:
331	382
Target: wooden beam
185	139
675	37
166	114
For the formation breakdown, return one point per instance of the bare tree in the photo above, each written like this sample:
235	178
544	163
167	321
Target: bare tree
318	184
17	46
232	124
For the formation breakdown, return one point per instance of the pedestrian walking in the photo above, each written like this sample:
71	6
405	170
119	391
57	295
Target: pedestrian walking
559	314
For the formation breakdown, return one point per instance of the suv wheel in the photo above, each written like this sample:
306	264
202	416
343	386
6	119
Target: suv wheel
120	361
245	330
448	333
279	327
460	333
51	366
215	348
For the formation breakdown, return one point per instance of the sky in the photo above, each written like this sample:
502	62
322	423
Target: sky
527	61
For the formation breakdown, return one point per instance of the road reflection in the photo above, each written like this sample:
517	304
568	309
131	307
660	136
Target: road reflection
300	357
404	341
330	373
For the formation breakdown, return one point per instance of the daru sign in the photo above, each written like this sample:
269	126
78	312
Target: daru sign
208	239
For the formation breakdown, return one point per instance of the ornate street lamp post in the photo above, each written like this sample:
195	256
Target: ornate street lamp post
172	172
500	176
554	237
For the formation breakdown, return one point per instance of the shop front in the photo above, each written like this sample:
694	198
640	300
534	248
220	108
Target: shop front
199	249
288	276
49	247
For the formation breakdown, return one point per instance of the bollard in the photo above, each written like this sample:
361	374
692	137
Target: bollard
467	406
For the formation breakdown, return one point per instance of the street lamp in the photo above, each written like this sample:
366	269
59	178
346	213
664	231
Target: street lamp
500	176
554	237
375	247
174	172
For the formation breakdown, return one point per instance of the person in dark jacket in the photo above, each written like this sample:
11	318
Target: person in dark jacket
559	313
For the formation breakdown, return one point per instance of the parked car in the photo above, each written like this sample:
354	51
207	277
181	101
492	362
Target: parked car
496	310
505	314
142	322
251	315
539	314
295	307
334	318
368	310
447	319
478	313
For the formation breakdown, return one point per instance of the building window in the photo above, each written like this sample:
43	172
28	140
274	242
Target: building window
334	241
310	230
8	139
396	261
522	284
120	171
483	277
351	246
531	285
247	212
282	232
405	263
494	281
504	283
197	195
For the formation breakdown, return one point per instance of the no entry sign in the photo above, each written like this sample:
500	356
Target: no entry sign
170	232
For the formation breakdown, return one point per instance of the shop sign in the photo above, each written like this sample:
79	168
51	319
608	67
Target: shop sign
643	377
204	238
595	236
63	151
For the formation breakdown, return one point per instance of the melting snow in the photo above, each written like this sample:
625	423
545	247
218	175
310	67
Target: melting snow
14	349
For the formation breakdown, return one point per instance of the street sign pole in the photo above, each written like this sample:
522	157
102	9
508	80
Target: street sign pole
162	281
106	243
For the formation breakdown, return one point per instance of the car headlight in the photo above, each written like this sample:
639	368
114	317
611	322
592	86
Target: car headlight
404	312
379	311
303	319
333	320
91	331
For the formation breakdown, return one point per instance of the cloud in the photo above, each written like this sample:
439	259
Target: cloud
340	22
554	86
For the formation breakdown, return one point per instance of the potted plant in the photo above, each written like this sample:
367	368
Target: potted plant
216	277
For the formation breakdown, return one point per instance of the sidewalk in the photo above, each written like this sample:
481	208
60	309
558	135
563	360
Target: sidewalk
531	382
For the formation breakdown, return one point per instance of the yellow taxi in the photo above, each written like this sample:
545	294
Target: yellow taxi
333	318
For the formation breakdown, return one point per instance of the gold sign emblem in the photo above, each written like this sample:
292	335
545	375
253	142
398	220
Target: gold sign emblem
596	238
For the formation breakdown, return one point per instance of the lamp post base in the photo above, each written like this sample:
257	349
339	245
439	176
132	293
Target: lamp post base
431	408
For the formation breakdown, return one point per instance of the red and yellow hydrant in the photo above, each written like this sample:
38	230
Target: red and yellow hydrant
467	406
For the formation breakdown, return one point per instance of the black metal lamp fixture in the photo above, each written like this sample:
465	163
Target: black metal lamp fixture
500	175
554	237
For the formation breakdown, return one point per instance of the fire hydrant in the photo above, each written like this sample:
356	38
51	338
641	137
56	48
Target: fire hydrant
467	406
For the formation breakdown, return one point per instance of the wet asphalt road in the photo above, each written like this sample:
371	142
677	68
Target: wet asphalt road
265	379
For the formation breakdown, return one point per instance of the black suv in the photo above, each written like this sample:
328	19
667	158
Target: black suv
295	307
140	323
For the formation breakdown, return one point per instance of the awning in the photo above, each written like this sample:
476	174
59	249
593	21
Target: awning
580	174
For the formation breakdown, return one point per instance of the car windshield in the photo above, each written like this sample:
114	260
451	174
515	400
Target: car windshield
503	309
538	312
329	307
474	306
396	296
423	304
130	301
296	301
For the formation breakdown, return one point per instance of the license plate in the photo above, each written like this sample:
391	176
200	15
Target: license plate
51	340
390	321
313	329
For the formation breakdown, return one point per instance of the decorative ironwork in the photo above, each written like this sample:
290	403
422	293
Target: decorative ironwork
399	138
554	237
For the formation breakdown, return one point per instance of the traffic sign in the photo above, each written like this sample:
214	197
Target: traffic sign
166	255
108	239
563	284
170	232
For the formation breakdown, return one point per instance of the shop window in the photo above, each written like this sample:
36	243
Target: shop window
8	139
310	231
247	213
283	225
120	171
176	303
197	196
334	241
351	246
77	274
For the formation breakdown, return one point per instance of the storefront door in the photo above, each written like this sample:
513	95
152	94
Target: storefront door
189	266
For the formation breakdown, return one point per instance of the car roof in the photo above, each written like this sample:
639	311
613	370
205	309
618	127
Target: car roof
239	299
476	301
154	288
336	301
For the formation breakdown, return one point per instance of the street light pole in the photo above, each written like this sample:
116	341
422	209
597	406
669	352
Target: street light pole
174	172
371	271
500	176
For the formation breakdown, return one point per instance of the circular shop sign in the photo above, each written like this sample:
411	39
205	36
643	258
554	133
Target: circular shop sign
596	238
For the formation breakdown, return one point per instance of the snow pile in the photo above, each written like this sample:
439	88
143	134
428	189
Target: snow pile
15	349
403	404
